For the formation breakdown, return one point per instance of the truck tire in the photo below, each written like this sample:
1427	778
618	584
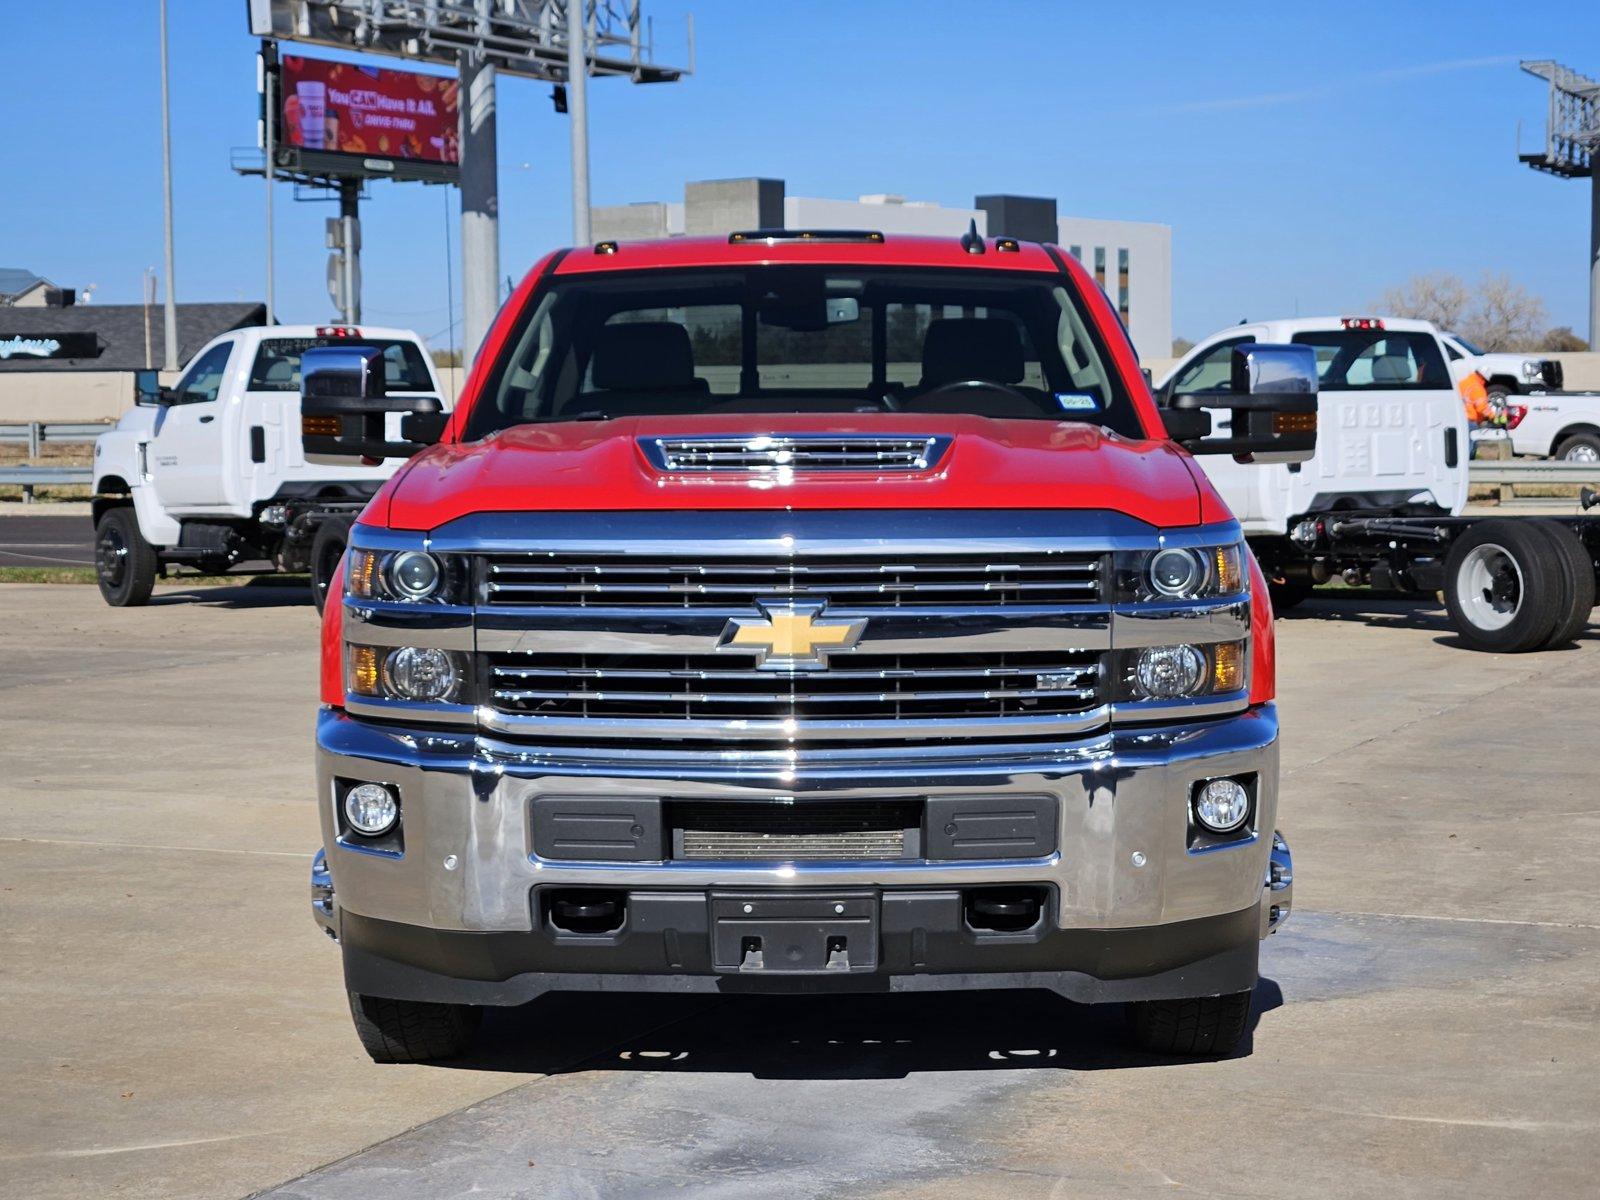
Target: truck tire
327	548
1579	448
412	1031
1200	1026
1577	580
124	563
1503	586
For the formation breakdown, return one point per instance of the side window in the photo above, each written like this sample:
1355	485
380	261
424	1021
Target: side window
1376	360
1449	349
1211	372
203	380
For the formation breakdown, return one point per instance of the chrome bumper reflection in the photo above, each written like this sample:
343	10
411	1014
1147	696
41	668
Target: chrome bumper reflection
1279	898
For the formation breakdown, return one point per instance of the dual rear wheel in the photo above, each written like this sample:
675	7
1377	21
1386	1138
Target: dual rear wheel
1517	585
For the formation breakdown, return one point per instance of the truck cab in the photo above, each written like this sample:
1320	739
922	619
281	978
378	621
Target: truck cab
802	611
211	471
1391	431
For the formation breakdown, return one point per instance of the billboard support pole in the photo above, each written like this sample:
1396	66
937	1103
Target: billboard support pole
350	249
578	113
269	146
170	331
480	204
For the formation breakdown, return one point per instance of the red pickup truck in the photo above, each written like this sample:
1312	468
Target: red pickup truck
816	611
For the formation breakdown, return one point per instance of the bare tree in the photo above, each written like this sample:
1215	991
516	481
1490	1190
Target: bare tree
1442	298
1562	338
1505	316
1497	314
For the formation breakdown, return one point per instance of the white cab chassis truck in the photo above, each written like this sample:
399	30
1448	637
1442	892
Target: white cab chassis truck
211	474
1380	502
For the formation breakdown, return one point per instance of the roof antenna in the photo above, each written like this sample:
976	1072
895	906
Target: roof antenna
972	240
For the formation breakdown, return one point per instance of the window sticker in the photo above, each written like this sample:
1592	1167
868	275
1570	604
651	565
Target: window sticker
1077	402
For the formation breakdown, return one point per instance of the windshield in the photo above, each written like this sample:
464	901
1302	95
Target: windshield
785	339
1465	345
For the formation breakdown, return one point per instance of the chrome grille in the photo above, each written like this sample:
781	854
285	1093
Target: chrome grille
796	452
853	581
791	833
878	688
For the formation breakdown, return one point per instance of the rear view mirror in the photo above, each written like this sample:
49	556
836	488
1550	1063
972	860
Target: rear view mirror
1273	399
344	409
147	388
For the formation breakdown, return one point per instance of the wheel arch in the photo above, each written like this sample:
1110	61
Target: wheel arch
1572	430
1509	382
110	491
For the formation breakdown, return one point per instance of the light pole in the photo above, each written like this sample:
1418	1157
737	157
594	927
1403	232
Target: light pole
578	111
170	321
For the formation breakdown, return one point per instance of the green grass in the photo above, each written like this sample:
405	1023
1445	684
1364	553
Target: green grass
86	575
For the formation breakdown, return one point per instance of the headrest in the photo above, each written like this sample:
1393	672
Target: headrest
971	348
641	356
1391	368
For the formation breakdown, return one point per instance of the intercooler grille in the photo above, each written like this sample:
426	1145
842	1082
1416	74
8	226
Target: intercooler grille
855	687
848	581
873	453
792	832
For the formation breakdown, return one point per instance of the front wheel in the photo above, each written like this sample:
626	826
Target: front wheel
327	548
124	563
1195	1027
1503	586
412	1031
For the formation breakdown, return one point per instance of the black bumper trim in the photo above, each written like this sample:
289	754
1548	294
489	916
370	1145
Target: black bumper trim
665	946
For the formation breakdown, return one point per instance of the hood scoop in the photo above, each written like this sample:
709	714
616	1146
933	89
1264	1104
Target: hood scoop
799	452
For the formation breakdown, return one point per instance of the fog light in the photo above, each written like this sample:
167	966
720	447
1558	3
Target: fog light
1222	805
1167	672
414	575
371	809
417	673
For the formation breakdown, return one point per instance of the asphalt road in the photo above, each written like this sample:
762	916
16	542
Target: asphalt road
29	541
175	1027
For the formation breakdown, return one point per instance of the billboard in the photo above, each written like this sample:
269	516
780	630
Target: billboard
368	113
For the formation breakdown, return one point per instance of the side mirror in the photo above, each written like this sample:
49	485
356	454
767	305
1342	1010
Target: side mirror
1273	399
344	408
147	389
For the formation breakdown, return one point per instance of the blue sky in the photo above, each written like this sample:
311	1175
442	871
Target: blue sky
1305	156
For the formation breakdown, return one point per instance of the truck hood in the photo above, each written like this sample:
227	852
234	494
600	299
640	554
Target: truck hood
600	467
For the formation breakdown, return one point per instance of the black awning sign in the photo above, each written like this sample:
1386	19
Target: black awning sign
15	347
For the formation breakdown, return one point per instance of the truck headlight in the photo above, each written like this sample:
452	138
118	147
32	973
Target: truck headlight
407	576
1167	672
420	673
1179	573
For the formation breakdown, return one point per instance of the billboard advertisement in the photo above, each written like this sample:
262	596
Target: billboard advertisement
368	112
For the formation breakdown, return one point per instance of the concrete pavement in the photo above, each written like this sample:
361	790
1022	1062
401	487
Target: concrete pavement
176	1028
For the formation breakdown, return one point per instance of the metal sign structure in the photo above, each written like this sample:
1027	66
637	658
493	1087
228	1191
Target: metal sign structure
1570	137
555	41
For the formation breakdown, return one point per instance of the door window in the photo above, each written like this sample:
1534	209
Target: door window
1211	372
203	380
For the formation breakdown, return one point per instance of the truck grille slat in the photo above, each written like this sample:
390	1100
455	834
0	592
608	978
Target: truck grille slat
566	580
877	687
796	452
786	833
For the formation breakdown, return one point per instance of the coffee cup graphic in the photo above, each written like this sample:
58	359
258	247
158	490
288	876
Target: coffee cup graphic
313	97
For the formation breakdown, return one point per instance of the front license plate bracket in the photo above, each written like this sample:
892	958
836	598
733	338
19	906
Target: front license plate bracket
794	933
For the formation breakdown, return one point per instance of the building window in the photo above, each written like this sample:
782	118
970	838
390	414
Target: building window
1076	252
1100	266
1122	285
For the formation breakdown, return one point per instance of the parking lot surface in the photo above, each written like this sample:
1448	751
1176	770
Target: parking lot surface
175	1027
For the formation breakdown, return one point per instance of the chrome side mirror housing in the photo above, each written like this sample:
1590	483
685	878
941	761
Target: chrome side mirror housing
344	408
1273	403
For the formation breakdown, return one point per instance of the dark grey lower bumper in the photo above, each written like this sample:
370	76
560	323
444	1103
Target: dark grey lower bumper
923	945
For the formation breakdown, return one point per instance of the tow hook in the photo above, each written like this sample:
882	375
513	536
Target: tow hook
322	910
1279	886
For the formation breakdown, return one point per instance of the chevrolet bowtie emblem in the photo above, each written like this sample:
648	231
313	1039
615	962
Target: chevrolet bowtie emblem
791	636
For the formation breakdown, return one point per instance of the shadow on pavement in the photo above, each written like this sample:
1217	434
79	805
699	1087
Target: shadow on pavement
817	1037
267	591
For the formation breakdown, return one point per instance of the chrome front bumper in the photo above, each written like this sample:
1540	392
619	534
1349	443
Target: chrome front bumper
1125	858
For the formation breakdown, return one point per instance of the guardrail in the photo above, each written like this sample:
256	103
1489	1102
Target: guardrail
37	433
29	478
1508	474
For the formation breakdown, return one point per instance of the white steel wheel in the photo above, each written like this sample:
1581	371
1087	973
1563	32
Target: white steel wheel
1490	585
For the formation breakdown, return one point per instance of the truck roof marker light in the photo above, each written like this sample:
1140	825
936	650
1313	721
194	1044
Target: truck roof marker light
605	247
1361	322
338	331
1008	245
773	236
972	240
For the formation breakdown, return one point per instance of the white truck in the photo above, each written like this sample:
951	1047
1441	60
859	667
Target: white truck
1380	502
1506	373
1542	421
211	474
